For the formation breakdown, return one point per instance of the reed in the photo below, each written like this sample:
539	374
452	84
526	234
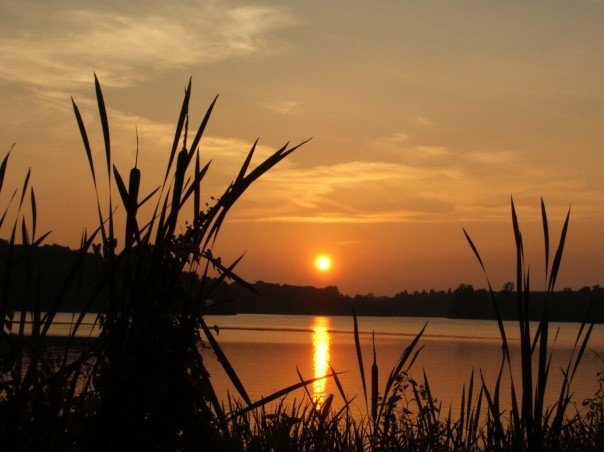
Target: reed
143	383
149	374
532	425
143	380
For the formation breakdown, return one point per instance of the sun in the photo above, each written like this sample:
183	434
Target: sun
323	263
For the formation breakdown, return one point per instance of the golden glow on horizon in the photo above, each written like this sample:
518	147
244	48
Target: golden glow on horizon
388	135
323	263
320	344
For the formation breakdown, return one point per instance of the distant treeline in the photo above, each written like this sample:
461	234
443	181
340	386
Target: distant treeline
56	261
462	302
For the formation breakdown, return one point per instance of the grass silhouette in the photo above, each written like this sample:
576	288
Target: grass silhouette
142	383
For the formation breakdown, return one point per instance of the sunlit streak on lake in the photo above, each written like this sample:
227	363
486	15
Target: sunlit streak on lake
320	343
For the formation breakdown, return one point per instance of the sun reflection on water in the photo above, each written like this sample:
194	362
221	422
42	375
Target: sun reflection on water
320	343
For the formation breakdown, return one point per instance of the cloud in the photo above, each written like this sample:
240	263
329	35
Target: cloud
347	242
388	192
394	140
283	108
399	144
57	48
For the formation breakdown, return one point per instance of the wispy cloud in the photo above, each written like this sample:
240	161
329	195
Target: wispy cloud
283	108
380	192
402	148
56	49
394	140
226	153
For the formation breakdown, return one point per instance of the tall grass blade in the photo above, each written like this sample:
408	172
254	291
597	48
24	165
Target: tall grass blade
149	196
357	345
184	111
493	297
104	124
84	135
396	371
246	163
519	263
228	272
194	188
121	187
3	167
212	394
197	191
24	234
179	179
218	213
338	384
87	148
582	349
40	239
475	250
545	237
558	256
10	202
25	187
306	390
202	126
276	395
34	215
226	365
496	417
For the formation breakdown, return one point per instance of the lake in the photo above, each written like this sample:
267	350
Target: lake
266	350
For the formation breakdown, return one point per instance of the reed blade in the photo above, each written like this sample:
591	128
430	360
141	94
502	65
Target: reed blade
395	373
276	395
3	167
202	126
24	189
197	191
121	187
2	218
194	188
228	272
545	237
247	161
104	124
519	249
339	384
34	216
24	234
558	256
184	111
374	383
357	344
149	196
310	397
225	363
84	135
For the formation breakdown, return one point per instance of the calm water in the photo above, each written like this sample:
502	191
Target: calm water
266	350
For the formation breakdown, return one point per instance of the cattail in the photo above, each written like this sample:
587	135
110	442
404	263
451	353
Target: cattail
374	383
133	188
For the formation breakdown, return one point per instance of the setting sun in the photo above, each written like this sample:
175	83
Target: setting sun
323	263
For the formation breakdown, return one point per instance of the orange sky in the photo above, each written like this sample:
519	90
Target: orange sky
425	117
